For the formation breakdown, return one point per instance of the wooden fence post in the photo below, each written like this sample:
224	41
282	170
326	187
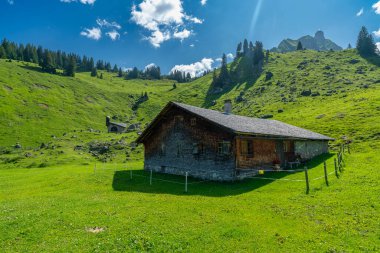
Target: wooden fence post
325	169
186	183
336	168
307	181
339	165
150	181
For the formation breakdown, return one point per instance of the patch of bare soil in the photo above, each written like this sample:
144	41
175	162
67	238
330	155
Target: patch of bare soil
41	86
8	88
95	230
43	105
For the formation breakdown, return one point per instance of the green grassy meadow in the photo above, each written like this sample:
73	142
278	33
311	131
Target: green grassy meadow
52	199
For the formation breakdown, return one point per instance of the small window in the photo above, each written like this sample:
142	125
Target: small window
178	118
246	148
287	146
224	148
198	148
193	121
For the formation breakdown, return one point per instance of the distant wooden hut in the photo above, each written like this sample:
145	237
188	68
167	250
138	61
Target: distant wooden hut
222	146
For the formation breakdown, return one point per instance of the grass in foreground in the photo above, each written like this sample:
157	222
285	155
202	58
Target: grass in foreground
61	209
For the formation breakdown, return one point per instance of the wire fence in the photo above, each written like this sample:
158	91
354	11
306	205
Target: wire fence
339	163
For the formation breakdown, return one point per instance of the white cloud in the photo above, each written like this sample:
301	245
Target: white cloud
163	19
11	2
377	33
203	2
126	69
378	46
105	23
94	33
194	19
230	56
157	37
114	35
192	45
376	7
149	66
195	69
360	13
81	1
182	35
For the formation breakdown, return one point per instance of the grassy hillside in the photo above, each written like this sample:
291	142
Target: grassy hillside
52	200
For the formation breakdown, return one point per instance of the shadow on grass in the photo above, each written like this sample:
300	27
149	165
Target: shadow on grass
33	68
140	182
211	95
375	60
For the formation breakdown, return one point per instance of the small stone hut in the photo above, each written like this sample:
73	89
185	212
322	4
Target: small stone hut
115	127
222	146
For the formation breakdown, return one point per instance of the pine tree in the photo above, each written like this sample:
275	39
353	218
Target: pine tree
238	50
94	72
224	75
90	65
258	53
245	47
101	76
3	55
71	66
40	54
299	46
251	48
349	46
120	74
267	56
365	44
115	69
47	63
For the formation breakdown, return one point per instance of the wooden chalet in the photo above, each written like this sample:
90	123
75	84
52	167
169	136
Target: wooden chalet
222	146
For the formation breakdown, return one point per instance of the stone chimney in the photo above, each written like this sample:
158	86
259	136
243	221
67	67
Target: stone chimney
228	106
108	119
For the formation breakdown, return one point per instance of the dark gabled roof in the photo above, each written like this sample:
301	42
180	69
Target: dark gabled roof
119	124
243	125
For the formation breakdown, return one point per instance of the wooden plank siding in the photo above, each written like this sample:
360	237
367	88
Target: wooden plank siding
265	152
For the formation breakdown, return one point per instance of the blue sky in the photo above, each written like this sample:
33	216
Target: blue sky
191	34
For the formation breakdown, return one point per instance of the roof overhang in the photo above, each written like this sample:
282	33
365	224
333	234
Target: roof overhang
148	131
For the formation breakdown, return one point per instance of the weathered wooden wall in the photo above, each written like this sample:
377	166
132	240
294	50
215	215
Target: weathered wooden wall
178	138
264	153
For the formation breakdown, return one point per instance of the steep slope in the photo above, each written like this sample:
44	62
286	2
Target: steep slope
318	43
334	93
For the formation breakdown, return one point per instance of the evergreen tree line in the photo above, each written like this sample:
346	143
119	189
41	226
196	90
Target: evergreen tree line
50	60
248	65
151	73
184	77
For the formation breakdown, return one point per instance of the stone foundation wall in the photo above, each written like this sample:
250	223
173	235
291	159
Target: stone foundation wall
183	143
310	149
